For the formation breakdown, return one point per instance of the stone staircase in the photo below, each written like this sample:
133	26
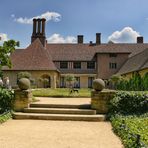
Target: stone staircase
59	112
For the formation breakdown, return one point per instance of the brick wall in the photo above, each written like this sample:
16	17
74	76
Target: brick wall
103	60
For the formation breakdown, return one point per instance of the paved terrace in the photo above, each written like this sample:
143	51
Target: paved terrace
74	101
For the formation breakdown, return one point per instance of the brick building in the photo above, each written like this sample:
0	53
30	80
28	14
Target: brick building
86	61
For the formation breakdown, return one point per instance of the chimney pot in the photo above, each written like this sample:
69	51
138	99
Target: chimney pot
80	39
98	38
140	39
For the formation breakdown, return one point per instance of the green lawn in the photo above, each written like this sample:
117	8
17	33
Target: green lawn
60	92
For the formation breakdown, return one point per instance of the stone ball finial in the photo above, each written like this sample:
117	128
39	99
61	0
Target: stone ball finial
98	84
24	83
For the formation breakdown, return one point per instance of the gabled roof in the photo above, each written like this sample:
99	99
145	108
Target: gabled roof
34	57
85	52
135	63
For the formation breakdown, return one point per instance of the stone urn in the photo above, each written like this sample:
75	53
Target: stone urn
23	95
24	83
100	97
98	84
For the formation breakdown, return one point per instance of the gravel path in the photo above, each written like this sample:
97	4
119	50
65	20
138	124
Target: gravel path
57	134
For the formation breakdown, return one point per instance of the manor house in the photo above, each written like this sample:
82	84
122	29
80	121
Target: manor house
86	61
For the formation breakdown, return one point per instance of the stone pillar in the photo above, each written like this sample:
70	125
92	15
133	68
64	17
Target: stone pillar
100	100
22	99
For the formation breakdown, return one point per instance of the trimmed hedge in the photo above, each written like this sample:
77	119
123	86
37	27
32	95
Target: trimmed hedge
6	100
128	103
128	113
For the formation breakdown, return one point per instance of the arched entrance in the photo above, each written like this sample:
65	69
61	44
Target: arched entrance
46	80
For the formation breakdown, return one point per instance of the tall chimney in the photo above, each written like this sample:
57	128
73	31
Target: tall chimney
39	26
140	39
34	27
80	39
98	38
39	30
43	26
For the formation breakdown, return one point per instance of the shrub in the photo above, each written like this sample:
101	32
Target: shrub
70	79
129	103
23	75
132	130
5	116
128	113
136	83
6	100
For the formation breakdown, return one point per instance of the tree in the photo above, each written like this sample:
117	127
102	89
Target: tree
115	79
5	51
24	75
70	79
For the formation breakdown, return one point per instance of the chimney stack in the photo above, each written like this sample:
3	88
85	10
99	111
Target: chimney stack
80	39
43	26
98	38
39	30
140	39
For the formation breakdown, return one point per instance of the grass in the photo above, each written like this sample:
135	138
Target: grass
5	116
60	92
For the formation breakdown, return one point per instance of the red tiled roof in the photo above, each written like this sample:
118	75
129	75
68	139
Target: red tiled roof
85	52
135	63
34	57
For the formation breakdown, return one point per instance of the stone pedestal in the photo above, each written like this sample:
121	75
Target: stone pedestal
100	100
22	99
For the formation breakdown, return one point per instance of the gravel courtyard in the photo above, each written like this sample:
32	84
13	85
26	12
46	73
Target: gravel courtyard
57	134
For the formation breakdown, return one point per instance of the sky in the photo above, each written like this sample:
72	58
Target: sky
120	21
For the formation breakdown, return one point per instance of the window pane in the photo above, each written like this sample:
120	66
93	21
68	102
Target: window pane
62	82
64	65
112	65
90	82
77	65
77	83
91	65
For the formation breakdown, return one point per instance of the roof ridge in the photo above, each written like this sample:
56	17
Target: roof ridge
137	54
143	64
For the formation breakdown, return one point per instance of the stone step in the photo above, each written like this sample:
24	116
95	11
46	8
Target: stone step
64	117
60	111
81	106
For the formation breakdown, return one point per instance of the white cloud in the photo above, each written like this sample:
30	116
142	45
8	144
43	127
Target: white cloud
3	37
57	38
54	16
126	35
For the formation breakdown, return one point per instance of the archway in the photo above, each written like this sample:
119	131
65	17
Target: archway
46	80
